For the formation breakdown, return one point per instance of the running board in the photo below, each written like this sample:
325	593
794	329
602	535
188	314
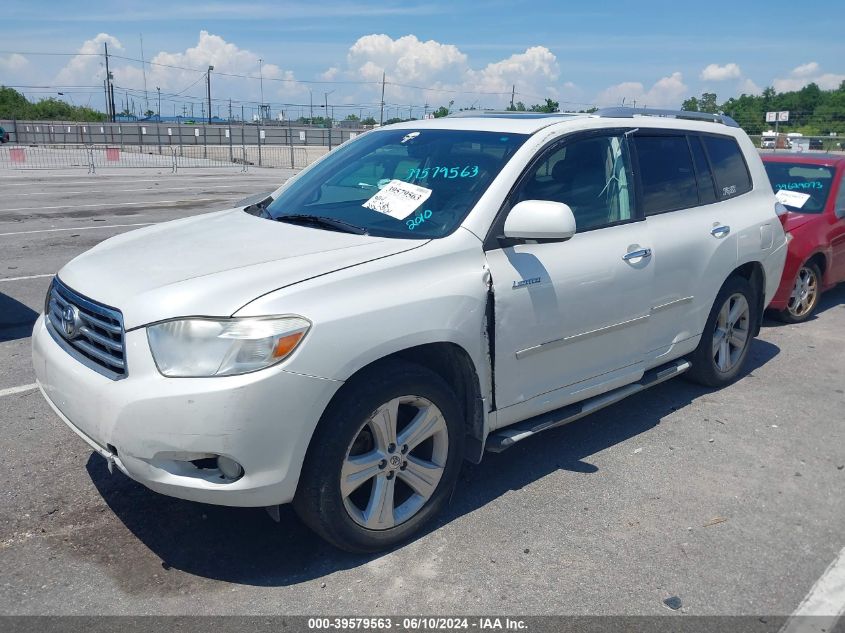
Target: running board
508	436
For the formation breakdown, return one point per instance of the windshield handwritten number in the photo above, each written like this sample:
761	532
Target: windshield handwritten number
468	171
416	221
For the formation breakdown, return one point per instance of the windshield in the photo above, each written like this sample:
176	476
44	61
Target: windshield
811	183
400	183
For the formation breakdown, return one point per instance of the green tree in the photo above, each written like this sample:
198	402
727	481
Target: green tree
708	103
690	105
549	106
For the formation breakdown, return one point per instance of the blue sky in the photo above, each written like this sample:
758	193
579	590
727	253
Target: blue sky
655	53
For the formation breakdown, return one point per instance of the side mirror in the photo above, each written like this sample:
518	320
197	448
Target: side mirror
540	220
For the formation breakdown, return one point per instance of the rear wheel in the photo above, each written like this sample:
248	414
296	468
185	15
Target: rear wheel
805	294
724	344
384	459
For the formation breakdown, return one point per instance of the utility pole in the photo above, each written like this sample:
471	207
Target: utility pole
158	123
513	94
208	81
311	97
110	100
381	117
144	73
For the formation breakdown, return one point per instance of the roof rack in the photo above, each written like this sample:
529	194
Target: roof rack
627	113
508	114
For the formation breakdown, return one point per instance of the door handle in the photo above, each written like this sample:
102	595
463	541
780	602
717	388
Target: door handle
643	252
720	231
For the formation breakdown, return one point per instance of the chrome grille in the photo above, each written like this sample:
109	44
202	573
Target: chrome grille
87	330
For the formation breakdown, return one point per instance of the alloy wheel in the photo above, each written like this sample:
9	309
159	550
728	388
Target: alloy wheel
804	293
394	463
732	332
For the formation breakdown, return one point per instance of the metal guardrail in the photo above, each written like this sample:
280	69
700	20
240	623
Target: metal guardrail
94	157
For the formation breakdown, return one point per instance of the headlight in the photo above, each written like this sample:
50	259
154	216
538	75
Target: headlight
223	347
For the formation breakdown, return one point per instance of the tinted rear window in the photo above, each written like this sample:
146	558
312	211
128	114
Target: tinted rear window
729	167
667	176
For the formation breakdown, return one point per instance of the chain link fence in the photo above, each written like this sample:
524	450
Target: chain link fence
173	158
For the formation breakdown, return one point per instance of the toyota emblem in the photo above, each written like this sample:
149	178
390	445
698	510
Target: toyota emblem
70	322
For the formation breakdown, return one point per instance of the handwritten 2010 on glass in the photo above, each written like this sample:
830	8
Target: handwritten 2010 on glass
468	171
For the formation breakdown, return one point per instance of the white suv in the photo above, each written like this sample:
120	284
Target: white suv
425	292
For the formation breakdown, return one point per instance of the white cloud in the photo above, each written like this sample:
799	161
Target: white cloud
443	72
666	91
406	59
805	70
523	70
714	72
87	67
806	74
13	62
748	87
183	72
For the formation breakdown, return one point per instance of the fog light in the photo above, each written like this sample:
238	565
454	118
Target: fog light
229	467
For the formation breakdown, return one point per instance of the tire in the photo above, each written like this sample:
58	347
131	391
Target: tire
714	364
354	442
804	299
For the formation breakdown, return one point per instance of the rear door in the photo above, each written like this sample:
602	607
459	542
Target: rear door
693	225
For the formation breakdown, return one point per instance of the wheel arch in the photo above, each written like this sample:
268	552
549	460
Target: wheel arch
455	366
755	274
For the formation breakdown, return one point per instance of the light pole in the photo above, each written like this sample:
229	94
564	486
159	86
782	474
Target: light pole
261	88
208	81
328	120
311	101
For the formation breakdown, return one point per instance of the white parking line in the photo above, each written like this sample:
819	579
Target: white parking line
114	204
826	598
80	228
13	390
28	277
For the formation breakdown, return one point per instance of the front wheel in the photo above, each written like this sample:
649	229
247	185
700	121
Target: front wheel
384	458
724	344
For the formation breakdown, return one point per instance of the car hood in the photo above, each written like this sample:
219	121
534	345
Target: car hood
213	264
794	220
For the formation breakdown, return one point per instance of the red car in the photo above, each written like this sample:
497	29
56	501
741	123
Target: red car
811	187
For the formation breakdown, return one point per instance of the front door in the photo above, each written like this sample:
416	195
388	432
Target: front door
572	315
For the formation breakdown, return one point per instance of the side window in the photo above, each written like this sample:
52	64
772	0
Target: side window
666	173
839	207
706	185
591	175
729	166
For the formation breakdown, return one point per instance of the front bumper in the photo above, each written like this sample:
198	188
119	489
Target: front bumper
152	427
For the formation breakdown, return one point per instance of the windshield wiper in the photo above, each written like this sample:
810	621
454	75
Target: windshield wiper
321	220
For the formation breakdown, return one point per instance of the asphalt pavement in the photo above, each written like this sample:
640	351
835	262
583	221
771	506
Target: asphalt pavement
732	500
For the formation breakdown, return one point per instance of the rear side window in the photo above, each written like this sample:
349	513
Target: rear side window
729	166
667	177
